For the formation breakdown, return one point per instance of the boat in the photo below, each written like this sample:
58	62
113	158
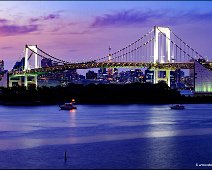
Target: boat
68	106
177	107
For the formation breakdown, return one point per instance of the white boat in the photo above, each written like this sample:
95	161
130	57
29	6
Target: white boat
68	106
177	107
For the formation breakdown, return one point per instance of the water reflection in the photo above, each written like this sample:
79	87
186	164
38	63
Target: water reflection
72	118
45	125
72	111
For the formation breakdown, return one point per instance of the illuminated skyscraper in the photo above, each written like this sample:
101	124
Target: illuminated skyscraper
110	70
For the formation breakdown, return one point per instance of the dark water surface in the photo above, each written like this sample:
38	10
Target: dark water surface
106	136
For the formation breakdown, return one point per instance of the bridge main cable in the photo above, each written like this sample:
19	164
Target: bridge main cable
58	60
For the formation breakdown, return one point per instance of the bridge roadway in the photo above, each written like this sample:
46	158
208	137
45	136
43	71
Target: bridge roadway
153	66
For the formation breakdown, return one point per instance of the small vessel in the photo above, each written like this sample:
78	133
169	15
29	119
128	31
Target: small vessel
68	106
177	107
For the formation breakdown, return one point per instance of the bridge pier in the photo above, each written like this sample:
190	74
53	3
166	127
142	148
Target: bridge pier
32	81
23	80
15	81
162	75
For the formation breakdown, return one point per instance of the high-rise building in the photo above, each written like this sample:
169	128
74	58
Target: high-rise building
19	65
179	75
102	73
1	66
3	75
91	75
149	76
115	72
71	74
161	74
173	79
46	62
138	72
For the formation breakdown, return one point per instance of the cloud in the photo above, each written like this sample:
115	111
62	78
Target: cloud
149	17
197	16
3	21
73	50
6	48
58	27
8	30
79	32
34	19
126	17
51	16
45	18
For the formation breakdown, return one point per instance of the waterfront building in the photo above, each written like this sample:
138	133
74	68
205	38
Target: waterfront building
203	79
48	82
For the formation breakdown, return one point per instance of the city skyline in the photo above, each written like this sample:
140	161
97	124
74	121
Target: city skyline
74	31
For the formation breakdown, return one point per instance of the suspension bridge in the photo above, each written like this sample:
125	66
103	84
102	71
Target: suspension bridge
159	49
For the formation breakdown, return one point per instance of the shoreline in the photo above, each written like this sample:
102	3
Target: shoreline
93	94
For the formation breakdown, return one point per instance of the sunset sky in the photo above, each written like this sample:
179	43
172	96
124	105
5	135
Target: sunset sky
73	30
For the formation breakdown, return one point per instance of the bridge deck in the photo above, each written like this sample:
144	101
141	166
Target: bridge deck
166	66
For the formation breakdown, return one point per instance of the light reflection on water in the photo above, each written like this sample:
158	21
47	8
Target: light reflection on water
72	118
25	127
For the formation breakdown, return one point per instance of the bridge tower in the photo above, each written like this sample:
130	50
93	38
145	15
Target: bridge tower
26	56
34	50
167	58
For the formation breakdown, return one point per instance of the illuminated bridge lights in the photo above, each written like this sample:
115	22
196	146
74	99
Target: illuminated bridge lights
170	66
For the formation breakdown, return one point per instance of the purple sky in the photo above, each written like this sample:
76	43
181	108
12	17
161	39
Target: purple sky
74	31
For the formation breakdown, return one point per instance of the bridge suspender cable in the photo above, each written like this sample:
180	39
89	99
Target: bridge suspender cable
123	48
187	45
184	44
134	49
176	44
